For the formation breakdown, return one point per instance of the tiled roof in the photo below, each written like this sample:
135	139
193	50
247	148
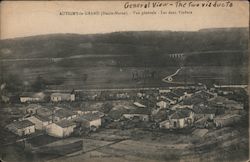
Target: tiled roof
31	106
181	113
193	100
42	118
44	112
62	95
171	96
21	124
179	92
32	94
204	110
145	111
65	123
64	113
90	116
204	94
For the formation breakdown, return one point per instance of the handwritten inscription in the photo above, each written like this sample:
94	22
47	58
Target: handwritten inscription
143	8
177	4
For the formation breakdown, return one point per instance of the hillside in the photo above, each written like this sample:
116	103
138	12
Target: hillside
146	44
126	59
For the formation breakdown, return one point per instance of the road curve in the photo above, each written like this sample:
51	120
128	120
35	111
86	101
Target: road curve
169	78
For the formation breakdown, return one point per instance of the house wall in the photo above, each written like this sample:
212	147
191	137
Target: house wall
68	131
29	130
54	130
209	116
56	98
178	123
172	102
57	131
183	122
97	123
25	131
31	110
37	122
162	104
85	112
28	99
165	124
68	97
72	97
141	116
56	118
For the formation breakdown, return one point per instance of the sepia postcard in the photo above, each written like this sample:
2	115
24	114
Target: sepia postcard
124	81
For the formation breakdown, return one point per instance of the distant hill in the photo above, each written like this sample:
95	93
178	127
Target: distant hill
140	45
124	59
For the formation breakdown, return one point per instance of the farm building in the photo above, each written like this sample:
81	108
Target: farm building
63	114
141	114
159	115
22	128
165	124
162	104
61	129
205	94
90	120
117	112
204	111
180	119
32	108
84	108
164	90
170	97
41	122
181	93
57	97
31	97
194	100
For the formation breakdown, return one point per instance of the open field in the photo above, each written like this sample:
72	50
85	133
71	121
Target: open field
97	75
164	146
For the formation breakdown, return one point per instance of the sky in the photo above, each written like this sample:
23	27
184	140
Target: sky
28	18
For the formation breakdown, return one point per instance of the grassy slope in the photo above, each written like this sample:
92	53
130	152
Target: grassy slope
110	59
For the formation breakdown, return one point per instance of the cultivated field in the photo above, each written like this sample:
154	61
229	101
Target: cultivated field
226	144
78	75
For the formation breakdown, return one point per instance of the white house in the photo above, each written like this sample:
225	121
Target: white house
164	90
170	97
22	128
180	93
41	122
31	97
61	129
141	114
162	104
139	105
90	120
57	97
32	108
165	124
180	119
